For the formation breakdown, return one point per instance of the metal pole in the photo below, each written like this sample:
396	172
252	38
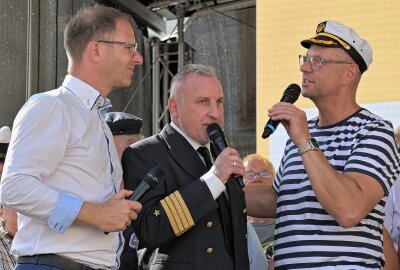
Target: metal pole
166	80
156	85
29	51
180	11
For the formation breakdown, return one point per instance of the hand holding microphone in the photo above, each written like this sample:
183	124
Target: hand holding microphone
150	181
290	95
217	136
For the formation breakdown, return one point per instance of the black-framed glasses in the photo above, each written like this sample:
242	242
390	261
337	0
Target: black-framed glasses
252	175
317	62
132	46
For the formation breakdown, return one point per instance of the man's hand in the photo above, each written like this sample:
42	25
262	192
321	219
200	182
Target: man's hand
293	119
228	163
115	214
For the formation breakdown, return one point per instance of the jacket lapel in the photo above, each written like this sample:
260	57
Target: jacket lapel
182	152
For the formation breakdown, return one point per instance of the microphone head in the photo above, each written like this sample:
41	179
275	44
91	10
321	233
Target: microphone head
291	93
214	131
154	176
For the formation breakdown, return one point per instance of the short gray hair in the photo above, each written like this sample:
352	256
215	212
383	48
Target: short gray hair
190	69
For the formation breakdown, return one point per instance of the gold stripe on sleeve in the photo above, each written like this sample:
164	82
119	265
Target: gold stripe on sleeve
175	214
170	217
185	209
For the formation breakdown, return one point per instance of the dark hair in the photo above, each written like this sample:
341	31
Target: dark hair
91	23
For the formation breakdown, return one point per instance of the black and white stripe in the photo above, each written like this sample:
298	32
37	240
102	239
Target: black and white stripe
306	236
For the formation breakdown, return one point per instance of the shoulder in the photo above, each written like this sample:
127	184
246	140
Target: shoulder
145	144
39	105
143	150
47	98
369	121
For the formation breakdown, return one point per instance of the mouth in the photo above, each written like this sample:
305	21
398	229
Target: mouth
306	81
257	183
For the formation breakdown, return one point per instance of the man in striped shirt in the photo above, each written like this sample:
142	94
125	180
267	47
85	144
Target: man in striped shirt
331	187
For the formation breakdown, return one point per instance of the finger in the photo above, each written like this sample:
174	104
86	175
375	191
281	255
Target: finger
229	151
123	193
132	215
128	223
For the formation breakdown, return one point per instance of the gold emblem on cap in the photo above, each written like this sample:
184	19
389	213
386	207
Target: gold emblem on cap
342	42
320	41
156	213
320	27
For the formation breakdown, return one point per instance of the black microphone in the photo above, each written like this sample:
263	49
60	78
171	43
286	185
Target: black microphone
217	136
150	181
290	95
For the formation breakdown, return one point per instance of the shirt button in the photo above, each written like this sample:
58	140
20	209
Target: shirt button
209	224
210	250
245	211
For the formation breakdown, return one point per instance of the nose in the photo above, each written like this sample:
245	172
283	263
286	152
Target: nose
306	67
214	111
137	58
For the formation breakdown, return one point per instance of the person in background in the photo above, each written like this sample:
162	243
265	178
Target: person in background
397	134
70	165
259	171
5	136
126	130
392	208
8	217
255	251
330	189
196	217
389	251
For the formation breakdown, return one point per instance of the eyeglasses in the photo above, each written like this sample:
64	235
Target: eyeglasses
317	63
251	175
131	46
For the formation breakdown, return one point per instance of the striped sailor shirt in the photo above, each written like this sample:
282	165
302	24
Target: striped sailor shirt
306	236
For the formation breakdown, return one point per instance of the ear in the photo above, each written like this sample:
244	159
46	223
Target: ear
173	107
94	51
351	73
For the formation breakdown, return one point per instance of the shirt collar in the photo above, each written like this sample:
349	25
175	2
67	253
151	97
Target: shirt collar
86	93
192	142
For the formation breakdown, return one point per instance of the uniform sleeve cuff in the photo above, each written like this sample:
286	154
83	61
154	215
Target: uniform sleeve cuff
65	212
214	183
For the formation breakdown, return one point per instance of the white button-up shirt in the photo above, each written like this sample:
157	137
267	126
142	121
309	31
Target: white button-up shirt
62	154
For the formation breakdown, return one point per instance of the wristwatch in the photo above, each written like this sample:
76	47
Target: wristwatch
311	144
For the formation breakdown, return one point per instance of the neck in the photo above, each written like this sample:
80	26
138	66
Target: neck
94	81
332	113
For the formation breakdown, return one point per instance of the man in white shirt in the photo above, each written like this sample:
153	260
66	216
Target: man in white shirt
62	173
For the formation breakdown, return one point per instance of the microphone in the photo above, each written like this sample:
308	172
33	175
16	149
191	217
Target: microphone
217	136
150	181
290	95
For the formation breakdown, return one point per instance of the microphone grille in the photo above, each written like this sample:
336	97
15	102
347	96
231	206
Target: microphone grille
292	92
154	176
214	131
